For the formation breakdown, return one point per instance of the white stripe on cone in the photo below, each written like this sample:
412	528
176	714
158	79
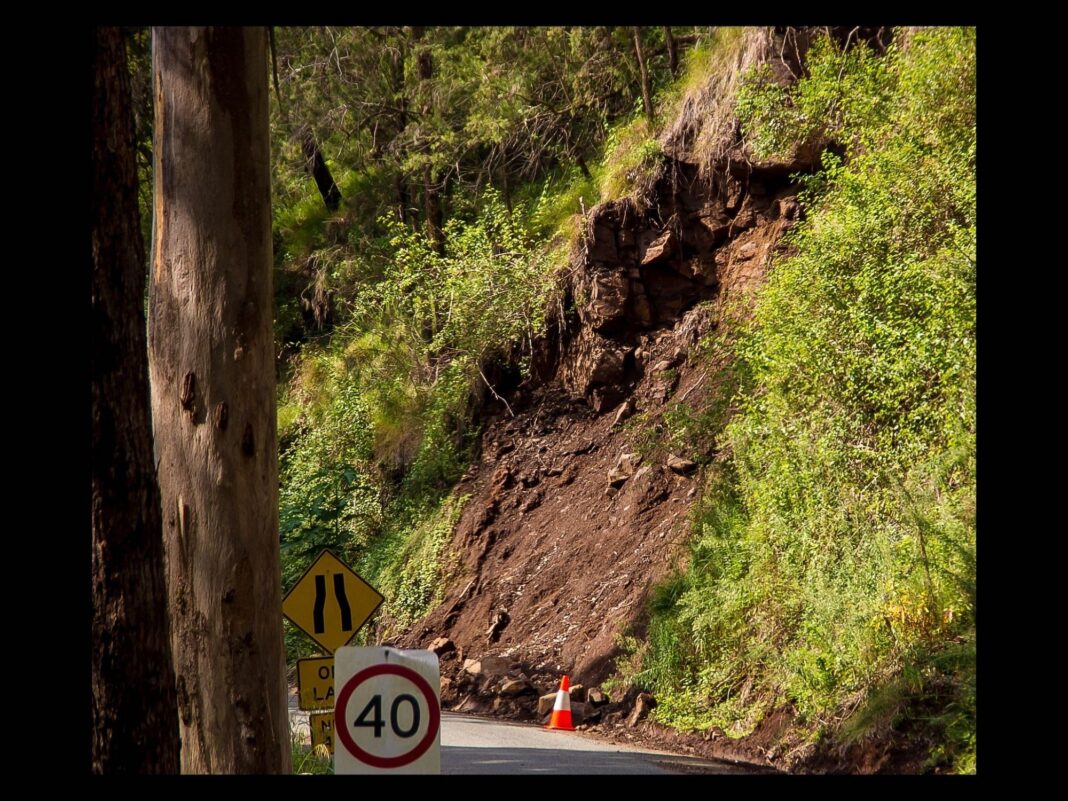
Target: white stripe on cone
562	702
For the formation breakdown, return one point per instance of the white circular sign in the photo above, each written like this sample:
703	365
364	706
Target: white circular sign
387	715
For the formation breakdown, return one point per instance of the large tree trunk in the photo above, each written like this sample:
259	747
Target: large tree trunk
134	713
213	396
646	92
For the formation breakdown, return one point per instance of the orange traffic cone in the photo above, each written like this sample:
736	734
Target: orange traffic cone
561	717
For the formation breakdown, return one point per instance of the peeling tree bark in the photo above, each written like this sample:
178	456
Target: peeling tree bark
213	404
134	714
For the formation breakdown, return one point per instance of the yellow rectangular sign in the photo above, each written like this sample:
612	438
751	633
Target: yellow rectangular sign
315	683
322	729
330	602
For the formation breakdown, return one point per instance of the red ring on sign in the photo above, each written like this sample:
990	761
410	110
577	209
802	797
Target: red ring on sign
342	731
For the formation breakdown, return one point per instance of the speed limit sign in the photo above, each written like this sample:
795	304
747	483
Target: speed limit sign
386	713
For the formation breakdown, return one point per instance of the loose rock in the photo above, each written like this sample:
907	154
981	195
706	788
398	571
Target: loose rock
442	645
545	703
595	697
642	704
473	666
747	251
578	712
681	466
626	409
626	464
512	687
661	247
497	624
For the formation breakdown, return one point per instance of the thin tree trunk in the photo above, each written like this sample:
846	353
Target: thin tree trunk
213	396
431	191
646	92
134	712
434	214
672	51
583	167
506	187
315	164
404	199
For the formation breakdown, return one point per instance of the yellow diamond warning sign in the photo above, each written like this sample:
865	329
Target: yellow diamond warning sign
330	602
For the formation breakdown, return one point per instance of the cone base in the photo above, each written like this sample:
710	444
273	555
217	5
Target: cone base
561	721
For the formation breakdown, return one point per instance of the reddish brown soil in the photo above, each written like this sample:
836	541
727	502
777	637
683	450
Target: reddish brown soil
545	542
551	563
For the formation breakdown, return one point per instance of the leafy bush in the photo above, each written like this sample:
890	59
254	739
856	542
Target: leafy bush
378	420
833	555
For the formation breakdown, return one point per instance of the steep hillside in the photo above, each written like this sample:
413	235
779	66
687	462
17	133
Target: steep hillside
666	380
578	504
779	541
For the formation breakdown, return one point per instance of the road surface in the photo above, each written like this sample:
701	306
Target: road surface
476	745
471	745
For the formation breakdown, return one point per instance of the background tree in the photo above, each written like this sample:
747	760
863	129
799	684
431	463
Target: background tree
639	51
134	713
315	164
213	401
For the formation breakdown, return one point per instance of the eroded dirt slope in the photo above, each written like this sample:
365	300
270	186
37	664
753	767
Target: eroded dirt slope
568	526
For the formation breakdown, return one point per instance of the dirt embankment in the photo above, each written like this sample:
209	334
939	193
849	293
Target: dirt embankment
570	520
568	524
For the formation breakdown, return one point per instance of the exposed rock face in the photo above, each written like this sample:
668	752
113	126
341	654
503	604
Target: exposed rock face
641	269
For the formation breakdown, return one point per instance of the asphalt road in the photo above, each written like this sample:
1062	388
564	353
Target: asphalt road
471	745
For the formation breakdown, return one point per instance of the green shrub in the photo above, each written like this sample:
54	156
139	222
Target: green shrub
378	420
833	556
